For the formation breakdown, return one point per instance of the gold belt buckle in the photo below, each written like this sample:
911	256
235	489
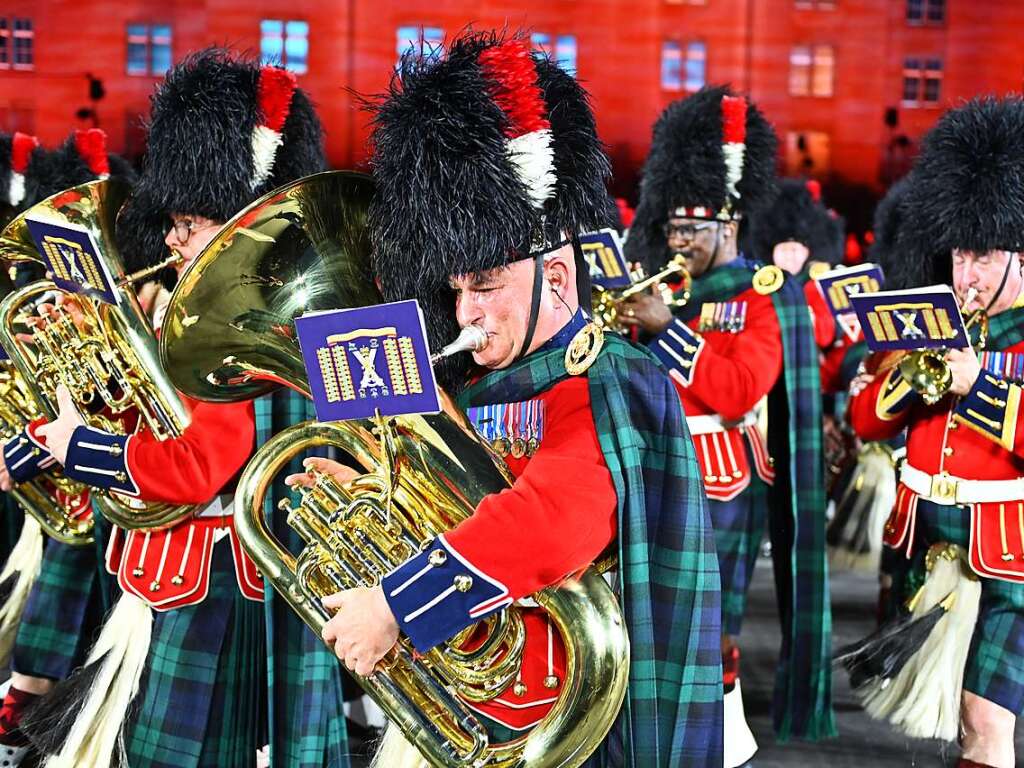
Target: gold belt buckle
943	489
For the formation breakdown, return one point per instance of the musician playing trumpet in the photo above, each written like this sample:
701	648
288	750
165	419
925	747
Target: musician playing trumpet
587	423
962	484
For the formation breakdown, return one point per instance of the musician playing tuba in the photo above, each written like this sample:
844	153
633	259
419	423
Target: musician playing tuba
188	626
487	162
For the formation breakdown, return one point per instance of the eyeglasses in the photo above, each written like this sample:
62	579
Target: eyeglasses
183	229
687	231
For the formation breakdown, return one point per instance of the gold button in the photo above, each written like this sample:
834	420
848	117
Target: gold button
438	558
177	580
136	572
120	477
463	583
115	450
154	586
551	681
953	425
947	451
519	689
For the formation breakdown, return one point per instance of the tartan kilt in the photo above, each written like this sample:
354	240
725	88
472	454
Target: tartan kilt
202	699
739	526
306	707
63	613
995	664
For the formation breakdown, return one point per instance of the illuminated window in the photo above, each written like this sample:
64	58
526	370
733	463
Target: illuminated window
285	43
926	11
421	41
5	44
16	43
671	66
563	53
696	66
812	70
149	49
922	82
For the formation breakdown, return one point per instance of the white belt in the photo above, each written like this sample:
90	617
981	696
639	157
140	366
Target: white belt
712	422
221	506
947	489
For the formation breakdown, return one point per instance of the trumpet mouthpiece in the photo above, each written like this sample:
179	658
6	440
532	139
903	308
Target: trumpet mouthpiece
471	338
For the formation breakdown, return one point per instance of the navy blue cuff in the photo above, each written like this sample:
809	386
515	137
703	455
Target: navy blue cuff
25	458
991	408
99	459
678	347
437	593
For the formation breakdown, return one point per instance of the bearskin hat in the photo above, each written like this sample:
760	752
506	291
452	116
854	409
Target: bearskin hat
83	157
22	163
795	214
968	189
482	156
885	227
222	131
712	156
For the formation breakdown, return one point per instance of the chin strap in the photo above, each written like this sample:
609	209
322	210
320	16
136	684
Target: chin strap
538	285
1002	285
583	286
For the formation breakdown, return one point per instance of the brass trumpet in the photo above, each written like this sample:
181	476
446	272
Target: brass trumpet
106	357
926	370
301	248
607	304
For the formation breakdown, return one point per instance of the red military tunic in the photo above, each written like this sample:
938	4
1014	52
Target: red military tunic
556	519
963	450
723	363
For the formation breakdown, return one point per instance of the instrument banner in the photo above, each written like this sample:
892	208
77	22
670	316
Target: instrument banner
368	360
922	318
603	251
72	259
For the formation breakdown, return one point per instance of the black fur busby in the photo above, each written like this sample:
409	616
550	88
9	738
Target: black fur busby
687	168
481	157
83	157
968	188
222	131
22	171
886	226
794	215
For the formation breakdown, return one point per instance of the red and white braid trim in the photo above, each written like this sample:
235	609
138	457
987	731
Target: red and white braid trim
274	92
734	137
22	146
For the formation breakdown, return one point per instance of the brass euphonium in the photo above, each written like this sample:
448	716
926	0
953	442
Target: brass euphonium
229	334
607	303
53	500
105	354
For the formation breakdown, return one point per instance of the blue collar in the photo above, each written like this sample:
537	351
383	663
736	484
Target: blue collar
564	336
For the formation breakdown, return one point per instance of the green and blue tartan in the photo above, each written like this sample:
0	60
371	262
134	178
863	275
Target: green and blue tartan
803	686
668	580
201	702
306	715
995	663
739	525
62	615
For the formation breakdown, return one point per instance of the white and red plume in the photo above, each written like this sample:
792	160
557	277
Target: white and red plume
274	93
22	146
91	145
734	142
510	70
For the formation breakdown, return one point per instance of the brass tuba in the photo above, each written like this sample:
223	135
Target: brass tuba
107	357
607	304
229	334
53	500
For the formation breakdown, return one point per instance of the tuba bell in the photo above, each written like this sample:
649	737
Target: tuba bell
229	334
104	353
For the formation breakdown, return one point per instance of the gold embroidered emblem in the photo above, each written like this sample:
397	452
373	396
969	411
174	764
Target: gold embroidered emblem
583	349
768	279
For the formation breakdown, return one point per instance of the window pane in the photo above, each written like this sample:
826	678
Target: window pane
433	41
296	46
915	10
824	68
800	70
138	43
933	64
696	66
671	66
271	41
5	44
542	41
932	87
23	25
23	51
910	88
936	10
160	49
565	53
407	38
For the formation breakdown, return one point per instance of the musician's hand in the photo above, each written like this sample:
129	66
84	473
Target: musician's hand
860	383
646	311
58	432
337	470
362	630
5	477
964	365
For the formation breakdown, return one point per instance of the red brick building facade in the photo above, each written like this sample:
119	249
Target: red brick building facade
850	85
